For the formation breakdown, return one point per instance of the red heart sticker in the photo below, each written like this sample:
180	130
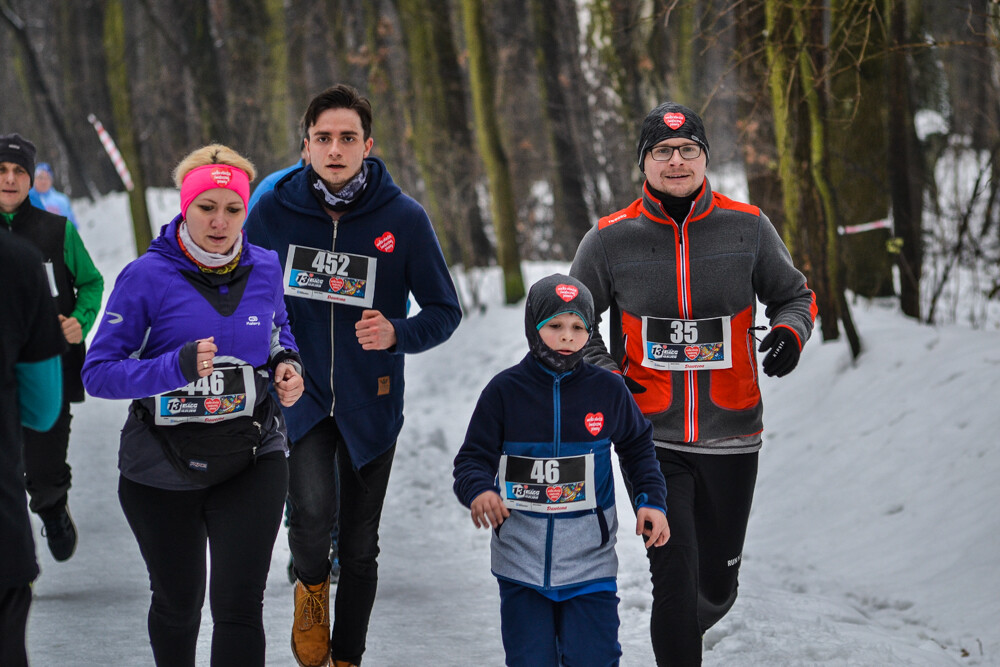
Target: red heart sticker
386	242
553	492
692	352
336	284
594	422
222	176
674	120
567	292
212	404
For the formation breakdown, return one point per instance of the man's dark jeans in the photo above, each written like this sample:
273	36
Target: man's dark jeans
314	497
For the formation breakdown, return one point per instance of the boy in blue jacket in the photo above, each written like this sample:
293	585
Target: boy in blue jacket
536	467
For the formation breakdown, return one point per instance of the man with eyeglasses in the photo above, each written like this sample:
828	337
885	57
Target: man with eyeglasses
681	270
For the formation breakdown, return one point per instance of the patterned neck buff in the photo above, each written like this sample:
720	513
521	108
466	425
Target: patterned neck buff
346	197
208	262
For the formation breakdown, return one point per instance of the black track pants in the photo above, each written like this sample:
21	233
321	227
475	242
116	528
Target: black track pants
46	474
695	574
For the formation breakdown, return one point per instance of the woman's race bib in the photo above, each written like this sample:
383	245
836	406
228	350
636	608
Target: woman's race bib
227	393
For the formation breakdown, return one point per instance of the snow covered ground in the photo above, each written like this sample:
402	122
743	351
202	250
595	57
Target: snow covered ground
873	538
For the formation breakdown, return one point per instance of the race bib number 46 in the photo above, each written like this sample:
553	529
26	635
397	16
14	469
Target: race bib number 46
686	345
338	277
563	484
228	392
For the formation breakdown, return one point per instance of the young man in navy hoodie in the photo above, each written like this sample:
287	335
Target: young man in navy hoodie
536	467
354	248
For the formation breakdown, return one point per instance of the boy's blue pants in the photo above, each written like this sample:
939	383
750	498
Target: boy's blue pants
539	632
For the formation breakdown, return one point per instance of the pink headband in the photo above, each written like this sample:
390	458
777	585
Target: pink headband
211	176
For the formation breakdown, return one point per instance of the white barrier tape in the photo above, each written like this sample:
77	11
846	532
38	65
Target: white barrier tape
865	226
113	153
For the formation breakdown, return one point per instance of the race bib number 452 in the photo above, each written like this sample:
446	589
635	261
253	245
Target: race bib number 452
337	277
686	345
563	484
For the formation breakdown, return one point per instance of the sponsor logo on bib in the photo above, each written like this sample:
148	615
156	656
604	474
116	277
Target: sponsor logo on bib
212	404
567	292
553	492
336	284
692	352
674	120
594	422
386	242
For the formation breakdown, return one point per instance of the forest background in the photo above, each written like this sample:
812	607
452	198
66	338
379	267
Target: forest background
515	121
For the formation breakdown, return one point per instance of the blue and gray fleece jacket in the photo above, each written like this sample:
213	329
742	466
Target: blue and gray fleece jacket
530	410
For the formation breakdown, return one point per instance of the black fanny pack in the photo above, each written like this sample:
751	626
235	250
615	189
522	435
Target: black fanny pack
208	454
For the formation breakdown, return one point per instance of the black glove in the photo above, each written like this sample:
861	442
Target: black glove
633	386
784	352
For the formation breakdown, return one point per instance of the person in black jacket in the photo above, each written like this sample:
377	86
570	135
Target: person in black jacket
30	387
77	286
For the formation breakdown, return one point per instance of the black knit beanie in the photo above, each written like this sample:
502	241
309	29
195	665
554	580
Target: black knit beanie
551	296
667	121
15	148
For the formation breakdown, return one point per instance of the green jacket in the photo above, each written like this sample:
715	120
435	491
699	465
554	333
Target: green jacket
80	285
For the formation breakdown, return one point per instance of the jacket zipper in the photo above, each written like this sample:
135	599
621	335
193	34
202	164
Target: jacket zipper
690	377
550	528
333	395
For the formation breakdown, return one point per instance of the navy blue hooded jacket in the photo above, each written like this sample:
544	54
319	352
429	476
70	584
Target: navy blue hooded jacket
361	389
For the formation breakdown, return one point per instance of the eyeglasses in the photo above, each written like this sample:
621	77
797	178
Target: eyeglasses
664	153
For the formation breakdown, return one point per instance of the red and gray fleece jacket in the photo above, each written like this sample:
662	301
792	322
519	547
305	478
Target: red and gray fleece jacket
716	263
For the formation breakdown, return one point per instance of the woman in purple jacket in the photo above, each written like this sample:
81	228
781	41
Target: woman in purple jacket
194	332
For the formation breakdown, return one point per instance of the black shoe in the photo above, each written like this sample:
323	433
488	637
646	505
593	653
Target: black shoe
60	532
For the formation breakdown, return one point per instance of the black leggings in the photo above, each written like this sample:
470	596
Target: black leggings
239	519
695	574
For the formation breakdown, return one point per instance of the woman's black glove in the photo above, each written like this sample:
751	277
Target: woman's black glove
784	352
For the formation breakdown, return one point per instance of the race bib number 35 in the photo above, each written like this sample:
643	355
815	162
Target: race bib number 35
563	484
686	345
227	393
338	277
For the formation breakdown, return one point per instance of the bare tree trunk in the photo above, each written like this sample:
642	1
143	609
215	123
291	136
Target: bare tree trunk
446	158
858	168
571	215
492	152
202	57
757	141
38	84
119	83
905	175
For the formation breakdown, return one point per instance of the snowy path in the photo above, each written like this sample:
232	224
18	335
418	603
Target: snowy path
872	541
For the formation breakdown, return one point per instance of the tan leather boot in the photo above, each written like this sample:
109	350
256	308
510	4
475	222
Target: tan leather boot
311	627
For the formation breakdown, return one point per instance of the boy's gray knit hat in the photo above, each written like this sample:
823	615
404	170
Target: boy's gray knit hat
667	121
551	296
